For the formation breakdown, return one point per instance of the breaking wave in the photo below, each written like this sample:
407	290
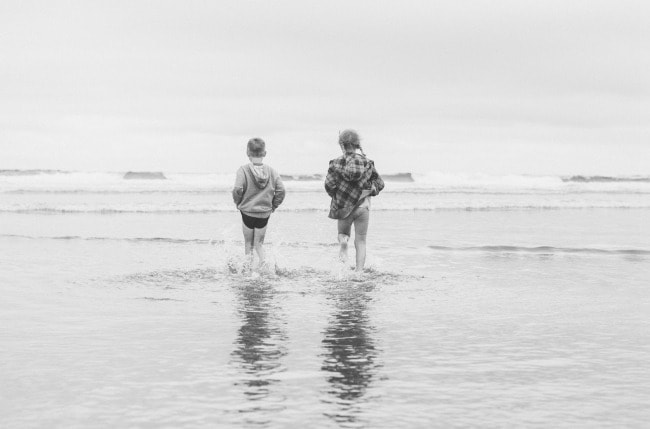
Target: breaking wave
542	250
54	191
163	210
31	172
77	181
606	179
485	248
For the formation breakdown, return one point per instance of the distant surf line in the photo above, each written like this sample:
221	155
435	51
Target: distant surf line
605	179
410	191
169	240
163	211
484	248
310	177
540	249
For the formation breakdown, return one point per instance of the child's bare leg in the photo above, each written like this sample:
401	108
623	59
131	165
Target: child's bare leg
258	244
343	250
360	246
249	239
360	230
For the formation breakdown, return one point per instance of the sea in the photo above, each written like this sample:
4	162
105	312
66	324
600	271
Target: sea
487	301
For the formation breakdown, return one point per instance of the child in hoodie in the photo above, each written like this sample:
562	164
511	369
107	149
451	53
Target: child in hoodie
258	191
351	180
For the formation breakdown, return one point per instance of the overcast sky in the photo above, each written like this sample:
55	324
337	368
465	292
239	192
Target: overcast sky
504	86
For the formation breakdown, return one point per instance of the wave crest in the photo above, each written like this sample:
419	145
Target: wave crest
541	250
606	179
490	248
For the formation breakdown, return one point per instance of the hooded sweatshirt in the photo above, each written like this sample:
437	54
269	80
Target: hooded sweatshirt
258	190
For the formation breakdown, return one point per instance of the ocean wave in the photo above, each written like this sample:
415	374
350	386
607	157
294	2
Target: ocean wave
316	177
404	191
31	172
302	177
163	240
100	210
485	248
60	179
169	240
129	191
424	190
541	250
162	210
117	191
606	179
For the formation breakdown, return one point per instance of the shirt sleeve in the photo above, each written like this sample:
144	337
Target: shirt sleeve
240	186
376	180
280	192
330	181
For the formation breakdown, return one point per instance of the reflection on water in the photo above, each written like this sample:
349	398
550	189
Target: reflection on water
350	354
259	348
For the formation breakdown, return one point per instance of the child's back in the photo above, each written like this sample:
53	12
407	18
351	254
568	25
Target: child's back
258	191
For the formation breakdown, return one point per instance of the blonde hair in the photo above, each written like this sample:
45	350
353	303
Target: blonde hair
349	140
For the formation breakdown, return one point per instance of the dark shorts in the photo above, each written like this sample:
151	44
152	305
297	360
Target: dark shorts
254	222
359	217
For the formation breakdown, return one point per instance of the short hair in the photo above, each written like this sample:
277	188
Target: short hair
256	147
349	140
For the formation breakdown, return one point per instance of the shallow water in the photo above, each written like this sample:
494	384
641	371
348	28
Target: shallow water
510	318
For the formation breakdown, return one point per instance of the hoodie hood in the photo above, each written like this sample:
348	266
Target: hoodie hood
260	175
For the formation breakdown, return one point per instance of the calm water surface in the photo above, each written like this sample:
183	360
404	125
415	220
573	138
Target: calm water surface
490	319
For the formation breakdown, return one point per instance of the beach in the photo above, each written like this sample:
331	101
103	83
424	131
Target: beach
488	301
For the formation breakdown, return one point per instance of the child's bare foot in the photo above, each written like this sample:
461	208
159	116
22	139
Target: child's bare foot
266	267
357	276
247	267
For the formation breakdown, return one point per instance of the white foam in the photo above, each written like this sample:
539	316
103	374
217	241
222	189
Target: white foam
101	192
216	182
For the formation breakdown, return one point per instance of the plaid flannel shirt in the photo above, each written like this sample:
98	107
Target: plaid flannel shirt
347	178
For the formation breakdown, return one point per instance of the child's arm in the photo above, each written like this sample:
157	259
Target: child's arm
330	181
377	184
279	194
240	186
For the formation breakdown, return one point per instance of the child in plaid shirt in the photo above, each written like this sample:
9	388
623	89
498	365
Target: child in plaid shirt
351	180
